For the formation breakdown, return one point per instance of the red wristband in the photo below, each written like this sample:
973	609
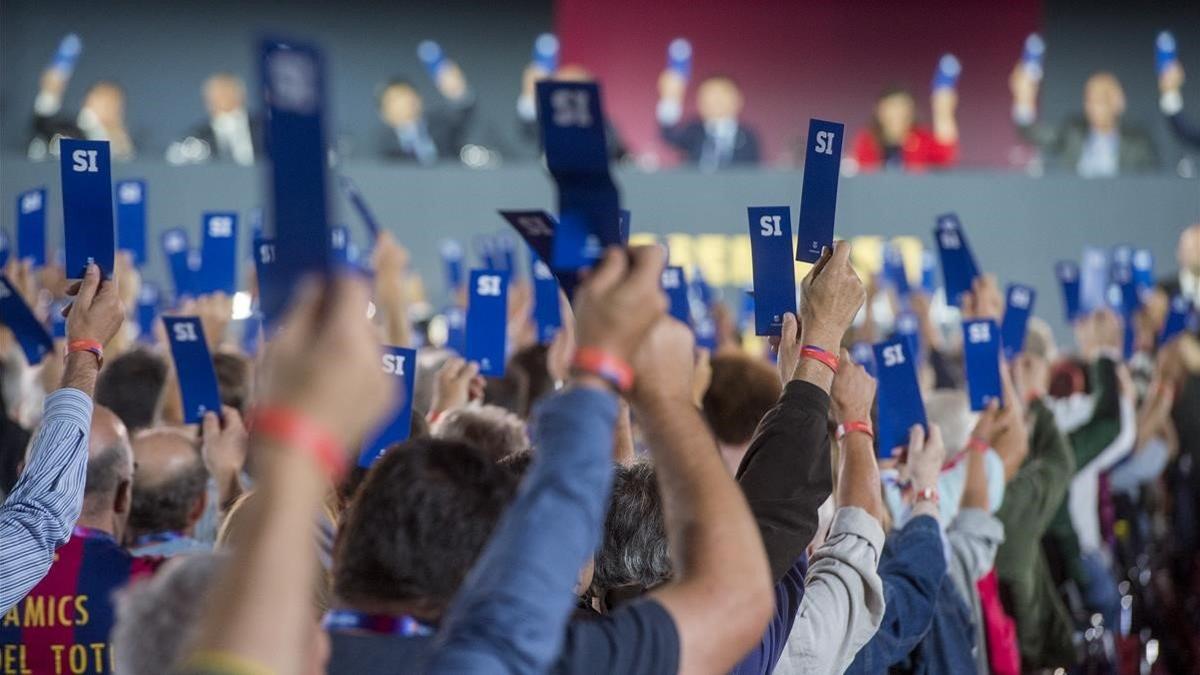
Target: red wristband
433	416
977	444
816	353
851	427
605	366
87	346
296	431
929	494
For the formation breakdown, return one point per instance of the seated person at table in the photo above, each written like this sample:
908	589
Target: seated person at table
717	139
894	140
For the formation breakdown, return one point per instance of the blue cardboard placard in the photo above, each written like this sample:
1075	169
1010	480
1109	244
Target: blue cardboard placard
1143	268
175	247
31	226
545	52
339	245
862	354
1094	278
219	261
547	314
456	329
131	218
818	193
959	268
774	269
272	291
899	396
505	250
679	57
57	322
703	291
1176	321
67	54
360	206
571	121
193	368
452	263
432	57
148	301
87	195
30	333
1018	306
5	248
487	321
293	83
1164	50
893	271
928	272
1129	300
981	357
705	330
401	365
252	334
624	218
675	286
947	73
1068	279
536	227
908	326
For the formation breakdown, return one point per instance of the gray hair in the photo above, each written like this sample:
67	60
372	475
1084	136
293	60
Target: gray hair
950	409
496	431
157	618
634	551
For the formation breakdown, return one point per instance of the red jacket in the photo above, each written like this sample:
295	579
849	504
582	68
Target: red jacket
921	151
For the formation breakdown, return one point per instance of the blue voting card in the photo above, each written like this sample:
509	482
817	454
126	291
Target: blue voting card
1143	268
31	226
893	271
1176	321
67	54
1122	254
256	224
131	218
219	260
746	314
1068	279
30	333
148	301
774	269
432	57
981	357
401	365
505	250
193	368
571	121
87	196
456	329
1018	306
899	396
675	286
704	292
339	244
679	57
536	228
252	337
175	248
1031	55
818	193
1164	50
1124	290
57	322
360	206
272	288
959	269
624	218
484	245
908	326
928	272
547	313
5	249
487	321
705	330
948	70
1094	278
862	354
545	52
452	263
293	82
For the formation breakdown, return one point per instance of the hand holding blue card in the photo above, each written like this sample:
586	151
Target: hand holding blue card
899	396
981	355
131	218
818	193
958	263
547	312
1068	279
30	333
1095	275
360	206
147	311
31	226
175	248
487	322
774	269
1176	321
87	195
272	288
401	364
675	286
193	368
1018	306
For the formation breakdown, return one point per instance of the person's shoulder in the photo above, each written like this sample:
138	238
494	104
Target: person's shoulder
640	637
358	654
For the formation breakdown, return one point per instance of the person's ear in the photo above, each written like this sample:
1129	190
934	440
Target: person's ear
198	508
124	497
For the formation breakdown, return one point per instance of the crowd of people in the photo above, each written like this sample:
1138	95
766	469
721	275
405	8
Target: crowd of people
432	130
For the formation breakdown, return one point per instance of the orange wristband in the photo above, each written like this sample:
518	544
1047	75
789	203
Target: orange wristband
818	354
851	427
294	430
87	346
605	366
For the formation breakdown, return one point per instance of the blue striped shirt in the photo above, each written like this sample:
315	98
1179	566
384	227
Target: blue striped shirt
38	515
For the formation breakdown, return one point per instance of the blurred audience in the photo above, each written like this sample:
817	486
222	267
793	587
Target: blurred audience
894	140
717	139
425	133
100	118
230	134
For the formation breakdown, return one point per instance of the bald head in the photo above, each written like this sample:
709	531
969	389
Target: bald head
109	474
1188	252
223	93
169	484
1103	101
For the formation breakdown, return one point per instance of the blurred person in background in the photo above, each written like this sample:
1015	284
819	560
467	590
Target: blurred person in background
717	139
1170	86
230	134
1097	144
527	107
169	494
420	133
894	140
100	118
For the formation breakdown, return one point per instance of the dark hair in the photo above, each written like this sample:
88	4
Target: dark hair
418	523
510	392
357	474
532	361
634	551
233	380
131	386
517	463
743	389
166	505
888	92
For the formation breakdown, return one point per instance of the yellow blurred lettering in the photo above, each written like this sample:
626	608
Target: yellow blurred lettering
81	613
78	658
58	658
35	612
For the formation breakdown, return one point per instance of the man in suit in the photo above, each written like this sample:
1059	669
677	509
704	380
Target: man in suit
717	139
230	134
425	136
100	118
1170	85
1096	145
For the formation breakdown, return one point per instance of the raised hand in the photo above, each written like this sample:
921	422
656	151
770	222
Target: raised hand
96	313
853	391
620	301
453	386
832	294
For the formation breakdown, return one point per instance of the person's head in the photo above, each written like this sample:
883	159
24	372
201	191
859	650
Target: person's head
131	385
633	555
1040	352
742	390
235	380
224	93
492	429
399	103
106	101
1187	253
718	98
106	492
950	409
158	616
169	483
532	361
895	114
416	526
1103	101
573	72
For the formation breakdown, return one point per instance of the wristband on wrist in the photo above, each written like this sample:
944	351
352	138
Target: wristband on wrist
433	416
294	430
87	346
816	353
978	444
597	362
846	428
929	494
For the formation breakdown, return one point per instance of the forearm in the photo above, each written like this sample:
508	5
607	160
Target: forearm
858	476
80	372
975	489
811	370
945	127
260	608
